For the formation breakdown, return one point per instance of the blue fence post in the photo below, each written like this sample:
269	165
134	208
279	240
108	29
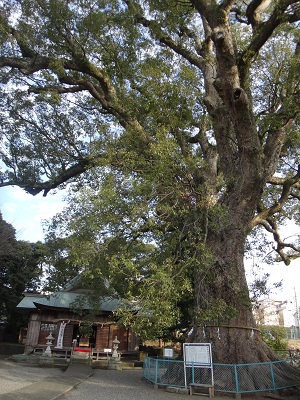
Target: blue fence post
148	368
193	373
156	371
273	376
236	379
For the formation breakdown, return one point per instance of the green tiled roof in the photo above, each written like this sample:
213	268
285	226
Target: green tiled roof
29	299
66	300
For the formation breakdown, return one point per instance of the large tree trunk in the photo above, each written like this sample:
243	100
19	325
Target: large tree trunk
222	293
223	312
222	296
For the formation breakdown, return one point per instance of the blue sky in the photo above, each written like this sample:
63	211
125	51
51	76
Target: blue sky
26	212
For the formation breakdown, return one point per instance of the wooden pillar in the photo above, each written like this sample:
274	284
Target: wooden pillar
33	331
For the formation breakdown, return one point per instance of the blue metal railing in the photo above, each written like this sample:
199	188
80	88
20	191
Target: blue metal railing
228	378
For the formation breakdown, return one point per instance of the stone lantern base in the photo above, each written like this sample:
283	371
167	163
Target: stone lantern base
46	360
114	363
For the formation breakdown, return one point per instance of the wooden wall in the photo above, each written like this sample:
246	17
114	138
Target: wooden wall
41	323
106	335
102	337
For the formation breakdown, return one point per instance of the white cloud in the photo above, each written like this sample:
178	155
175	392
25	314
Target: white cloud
26	212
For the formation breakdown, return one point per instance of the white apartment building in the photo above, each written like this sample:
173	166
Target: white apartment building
279	313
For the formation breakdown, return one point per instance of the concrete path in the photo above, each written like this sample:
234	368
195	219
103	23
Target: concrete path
121	385
23	382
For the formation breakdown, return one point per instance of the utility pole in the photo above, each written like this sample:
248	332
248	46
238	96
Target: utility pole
297	315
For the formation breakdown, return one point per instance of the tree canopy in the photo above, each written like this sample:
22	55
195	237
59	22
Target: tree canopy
177	123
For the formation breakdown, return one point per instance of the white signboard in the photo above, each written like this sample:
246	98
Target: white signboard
196	354
168	352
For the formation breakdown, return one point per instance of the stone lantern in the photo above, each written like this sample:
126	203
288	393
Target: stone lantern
116	343
114	362
49	343
47	358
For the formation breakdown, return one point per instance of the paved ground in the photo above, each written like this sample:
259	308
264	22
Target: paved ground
119	385
79	382
17	376
130	385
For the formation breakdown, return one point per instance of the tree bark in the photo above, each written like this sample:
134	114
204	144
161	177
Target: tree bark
221	291
231	330
222	303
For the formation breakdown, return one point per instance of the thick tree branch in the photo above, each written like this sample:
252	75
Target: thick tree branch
278	181
273	147
271	226
203	5
64	177
227	4
266	214
255	10
161	36
26	51
57	89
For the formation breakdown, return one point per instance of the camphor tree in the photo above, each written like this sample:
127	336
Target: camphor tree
178	124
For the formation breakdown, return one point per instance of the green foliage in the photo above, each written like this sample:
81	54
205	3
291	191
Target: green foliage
59	266
274	336
85	330
20	271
